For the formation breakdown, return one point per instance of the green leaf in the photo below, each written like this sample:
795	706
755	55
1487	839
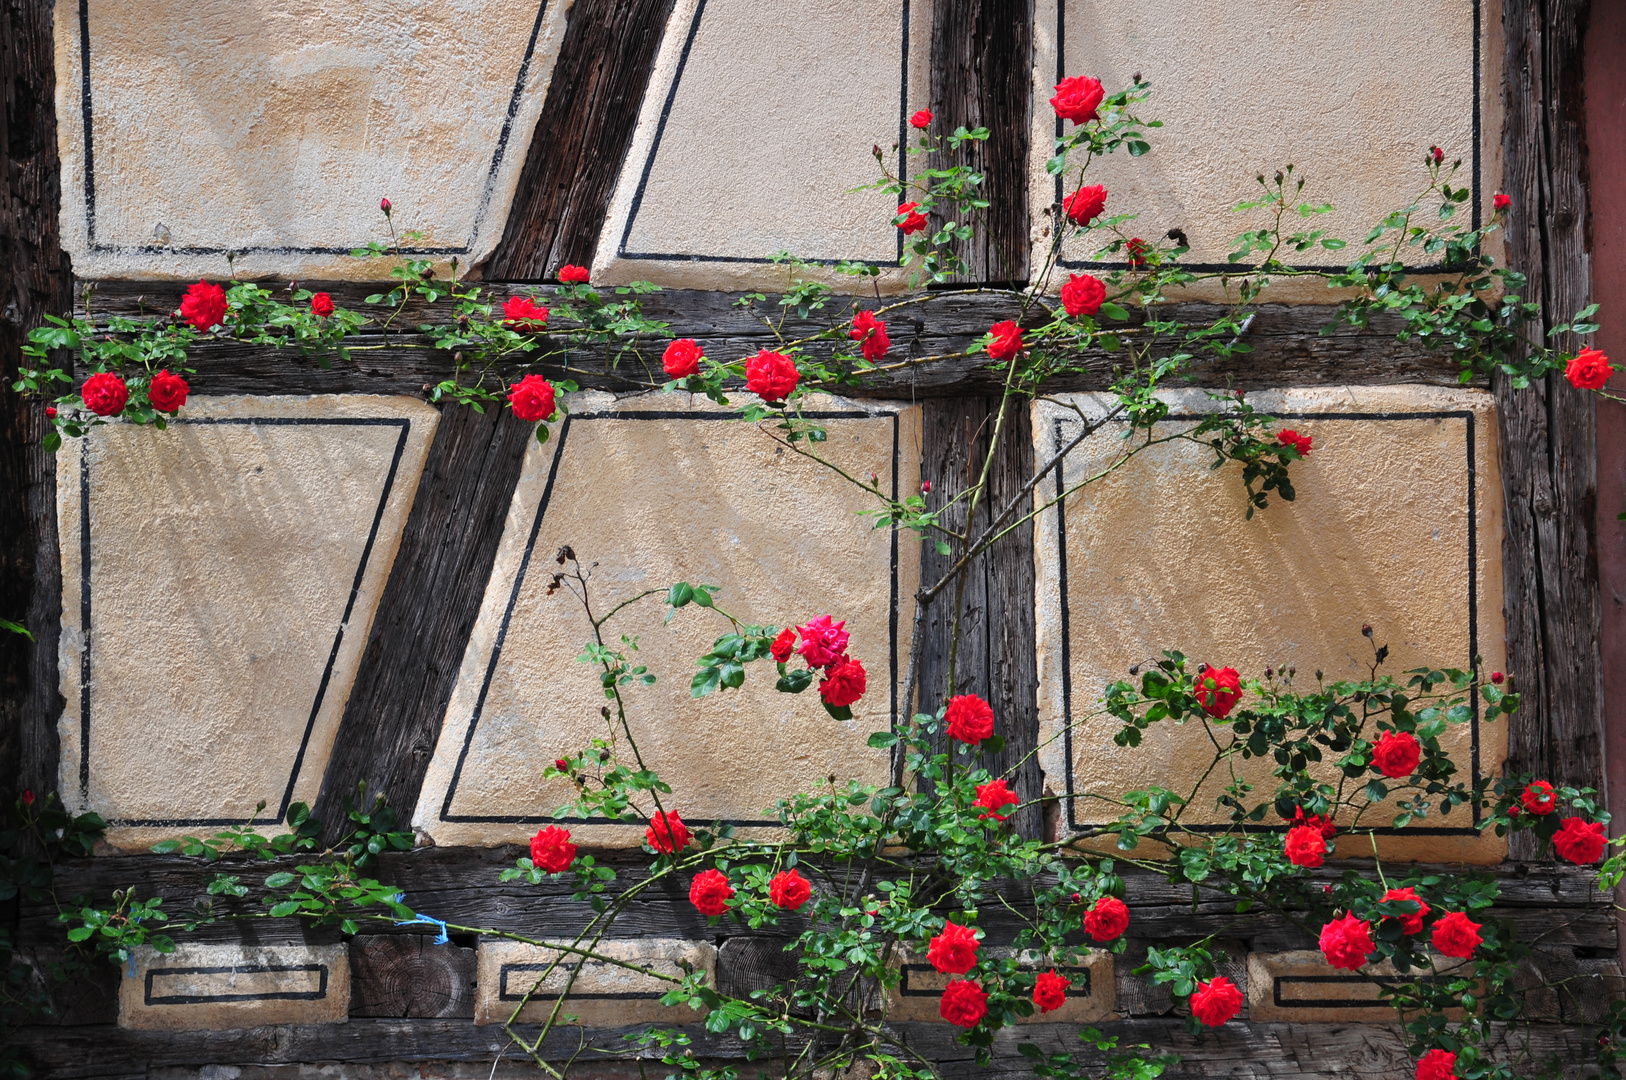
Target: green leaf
881	740
541	433
1113	311
281	880
287	907
838	712
680	594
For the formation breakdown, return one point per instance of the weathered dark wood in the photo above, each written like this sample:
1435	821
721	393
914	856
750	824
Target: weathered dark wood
1548	433
982	76
582	137
409	976
427	611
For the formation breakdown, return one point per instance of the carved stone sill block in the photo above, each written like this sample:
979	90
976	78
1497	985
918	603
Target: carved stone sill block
1301	987
604	994
1091	997
201	987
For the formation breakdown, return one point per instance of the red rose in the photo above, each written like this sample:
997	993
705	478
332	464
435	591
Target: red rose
843	683
784	645
28	797
1396	754
1007	340
1082	295
1580	841
1438	1064
321	305
993	797
709	892
1077	98
1218	690
1501	202
964	1004
1456	935
1137	249
1437	154
573	275
1538	798
666	833
921	119
521	313
789	890
908	219
1324	825
1306	846
1216	1001
167	392
1050	991
104	394
872	333
954	951
823	641
770	376
531	398
1346	942
384	205
1107	919
1301	443
1497	677
561	765
1085	205
1413	923
50	412
1590	370
970	719
681	358
204	305
551	849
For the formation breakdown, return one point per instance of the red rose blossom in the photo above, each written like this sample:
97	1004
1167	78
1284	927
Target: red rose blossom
167	392
573	275
1501	202
561	765
921	119
1108	919
1137	250
1437	1064
1413	923
783	645
970	719
551	849
104	394
908	218
1216	1001
1456	935
1289	437
204	305
1218	690
954	951
1306	846
1590	370
1007	340
1083	295
789	890
1538	798
666	833
681	358
531	398
964	1004
1396	754
709	892
1580	841
993	797
1085	205
871	332
1347	942
50	412
1050	991
384	205
1077	98
824	641
1315	821
1437	154
321	305
1497	677
770	376
521	313
843	683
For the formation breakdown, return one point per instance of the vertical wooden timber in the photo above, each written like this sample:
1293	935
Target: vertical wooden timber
35	279
427	612
1548	433
982	76
581	138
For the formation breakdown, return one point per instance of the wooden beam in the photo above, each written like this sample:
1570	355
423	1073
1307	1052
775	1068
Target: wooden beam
427	612
581	138
1548	433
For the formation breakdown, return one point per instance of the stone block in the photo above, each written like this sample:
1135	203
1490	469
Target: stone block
605	992
199	987
1301	987
1091	997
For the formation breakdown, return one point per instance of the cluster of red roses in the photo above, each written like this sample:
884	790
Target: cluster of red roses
710	890
824	645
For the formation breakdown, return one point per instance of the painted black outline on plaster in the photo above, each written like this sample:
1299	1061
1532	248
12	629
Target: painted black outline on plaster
621	251
1219	268
446	814
235	969
1081	985
1473	616
86	116
504	994
1341	1003
405	426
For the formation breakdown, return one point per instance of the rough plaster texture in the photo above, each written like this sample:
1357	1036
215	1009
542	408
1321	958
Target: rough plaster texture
647	502
273	128
200	987
223	558
1092	997
1159	556
1301	987
603	994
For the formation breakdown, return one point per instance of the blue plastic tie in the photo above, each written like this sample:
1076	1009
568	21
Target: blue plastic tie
428	920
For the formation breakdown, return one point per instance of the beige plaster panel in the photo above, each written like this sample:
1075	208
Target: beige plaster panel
1092	997
271	128
1301	987
223	558
603	994
1159	555
199	987
648	502
753	134
1352	95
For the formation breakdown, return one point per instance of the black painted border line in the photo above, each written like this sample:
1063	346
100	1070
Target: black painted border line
1079	975
87	115
236	969
405	426
446	815
1465	415
660	131
504	994
1341	1003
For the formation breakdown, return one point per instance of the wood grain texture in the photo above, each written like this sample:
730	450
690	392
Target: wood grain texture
581	138
409	976
1548	433
427	612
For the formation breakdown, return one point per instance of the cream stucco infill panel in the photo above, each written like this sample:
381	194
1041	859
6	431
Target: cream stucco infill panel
272	129
649	491
1397	524
217	598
